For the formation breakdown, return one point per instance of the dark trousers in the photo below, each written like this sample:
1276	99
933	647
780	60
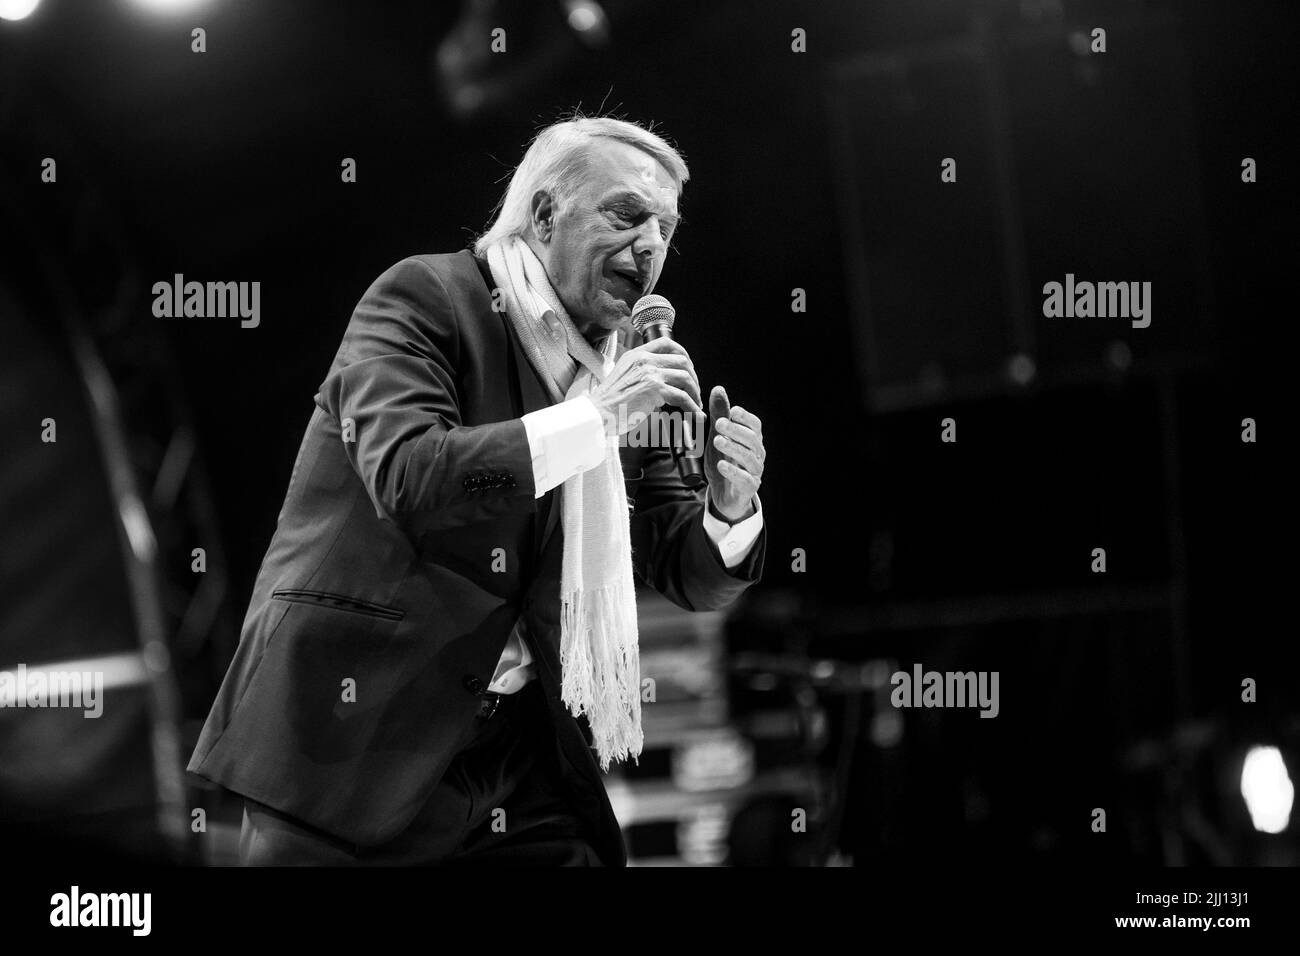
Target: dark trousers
501	801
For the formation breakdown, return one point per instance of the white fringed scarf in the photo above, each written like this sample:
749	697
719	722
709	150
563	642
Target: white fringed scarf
599	661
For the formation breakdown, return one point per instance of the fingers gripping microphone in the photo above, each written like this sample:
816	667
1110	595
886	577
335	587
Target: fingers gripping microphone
653	318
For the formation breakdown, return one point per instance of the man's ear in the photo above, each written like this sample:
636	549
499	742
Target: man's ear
543	215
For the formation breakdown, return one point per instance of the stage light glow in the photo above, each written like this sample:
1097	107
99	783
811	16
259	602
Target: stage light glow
588	20
17	9
1021	369
1267	789
582	17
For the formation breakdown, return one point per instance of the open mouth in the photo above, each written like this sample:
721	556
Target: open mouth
629	279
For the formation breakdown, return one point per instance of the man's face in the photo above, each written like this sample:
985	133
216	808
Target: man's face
604	247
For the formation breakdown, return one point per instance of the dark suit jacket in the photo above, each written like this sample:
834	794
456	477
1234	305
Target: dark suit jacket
381	567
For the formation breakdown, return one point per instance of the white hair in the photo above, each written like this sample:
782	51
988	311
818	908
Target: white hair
555	162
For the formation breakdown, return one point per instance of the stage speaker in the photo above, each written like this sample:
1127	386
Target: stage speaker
1061	161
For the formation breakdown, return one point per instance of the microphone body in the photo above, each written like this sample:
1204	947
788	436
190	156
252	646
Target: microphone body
653	317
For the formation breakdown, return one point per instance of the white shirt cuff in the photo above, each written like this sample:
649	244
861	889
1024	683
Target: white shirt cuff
734	541
565	440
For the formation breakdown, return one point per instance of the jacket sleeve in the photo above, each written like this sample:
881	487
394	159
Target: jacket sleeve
392	390
672	552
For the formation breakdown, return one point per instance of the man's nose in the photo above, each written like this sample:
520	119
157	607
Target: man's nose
649	243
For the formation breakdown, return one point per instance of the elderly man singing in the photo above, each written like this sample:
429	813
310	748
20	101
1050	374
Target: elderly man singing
440	653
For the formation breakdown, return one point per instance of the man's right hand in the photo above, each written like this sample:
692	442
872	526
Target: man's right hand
660	372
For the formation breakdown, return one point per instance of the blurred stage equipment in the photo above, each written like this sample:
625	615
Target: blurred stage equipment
813	685
924	781
1209	793
80	596
539	38
99	524
704	781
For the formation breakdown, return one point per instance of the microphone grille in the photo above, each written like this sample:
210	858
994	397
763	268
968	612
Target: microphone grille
651	310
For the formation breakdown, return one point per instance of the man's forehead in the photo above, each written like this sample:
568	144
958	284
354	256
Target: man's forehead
623	166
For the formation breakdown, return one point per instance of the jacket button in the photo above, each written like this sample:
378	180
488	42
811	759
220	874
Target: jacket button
472	684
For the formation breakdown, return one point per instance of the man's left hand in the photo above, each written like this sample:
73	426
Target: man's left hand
733	462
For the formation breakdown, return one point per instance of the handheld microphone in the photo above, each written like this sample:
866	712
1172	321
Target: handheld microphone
653	317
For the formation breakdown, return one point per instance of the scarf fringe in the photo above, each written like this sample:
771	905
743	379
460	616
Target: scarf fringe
601	668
